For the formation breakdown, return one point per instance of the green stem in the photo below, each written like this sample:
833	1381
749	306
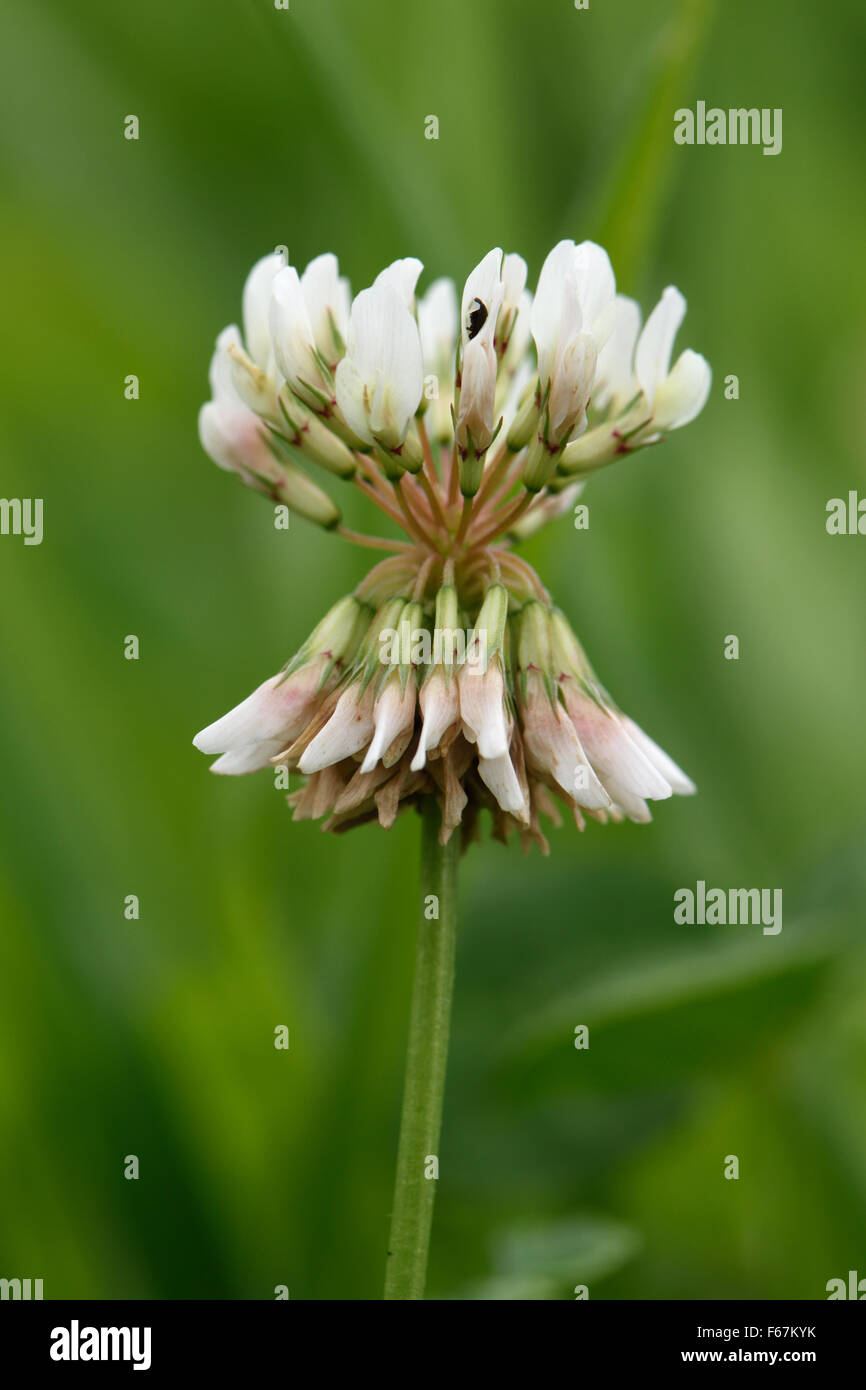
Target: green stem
426	1059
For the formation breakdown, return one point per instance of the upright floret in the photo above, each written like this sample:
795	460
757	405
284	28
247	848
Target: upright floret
641	395
483	295
381	378
438	325
572	315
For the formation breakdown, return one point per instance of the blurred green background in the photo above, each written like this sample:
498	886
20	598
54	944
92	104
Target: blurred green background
155	1037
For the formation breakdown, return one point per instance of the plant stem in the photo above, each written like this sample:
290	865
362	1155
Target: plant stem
426	1059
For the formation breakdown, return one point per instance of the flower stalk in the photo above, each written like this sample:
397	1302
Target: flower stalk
426	1060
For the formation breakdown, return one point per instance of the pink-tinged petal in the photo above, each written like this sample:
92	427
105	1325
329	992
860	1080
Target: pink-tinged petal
235	439
482	709
393	715
616	757
558	752
278	709
553	747
440	710
348	730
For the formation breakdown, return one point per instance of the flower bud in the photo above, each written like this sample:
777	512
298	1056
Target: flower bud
540	465
534	644
410	454
380	634
302	495
491	620
447	617
338	634
471	468
314	439
525	422
592	450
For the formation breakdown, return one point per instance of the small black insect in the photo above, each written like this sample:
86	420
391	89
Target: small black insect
476	318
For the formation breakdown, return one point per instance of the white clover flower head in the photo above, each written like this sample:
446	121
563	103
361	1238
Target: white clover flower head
468	421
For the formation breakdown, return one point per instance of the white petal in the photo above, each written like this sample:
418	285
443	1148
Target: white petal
556	312
684	393
483	283
596	285
477	410
655	344
636	809
349	388
681	784
499	777
616	383
291	330
221	375
252	758
571	386
256	307
327	297
386	351
438	324
402	276
513	277
521	332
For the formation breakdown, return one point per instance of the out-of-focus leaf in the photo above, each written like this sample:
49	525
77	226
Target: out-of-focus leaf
664	1020
632	202
545	1260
